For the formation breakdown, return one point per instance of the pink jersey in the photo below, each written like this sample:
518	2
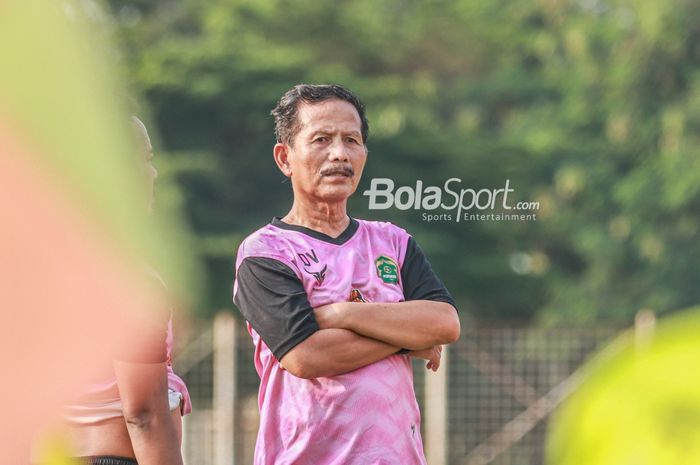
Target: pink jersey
368	416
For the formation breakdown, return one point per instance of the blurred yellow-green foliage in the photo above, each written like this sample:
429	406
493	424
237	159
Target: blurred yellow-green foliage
62	91
639	404
63	110
54	451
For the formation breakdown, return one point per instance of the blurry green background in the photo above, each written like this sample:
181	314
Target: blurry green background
589	107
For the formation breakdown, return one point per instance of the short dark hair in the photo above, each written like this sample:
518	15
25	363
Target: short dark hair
287	109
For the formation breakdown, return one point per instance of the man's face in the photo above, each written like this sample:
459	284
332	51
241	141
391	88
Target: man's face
328	154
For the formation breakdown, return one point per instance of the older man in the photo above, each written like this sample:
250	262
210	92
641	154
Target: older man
336	306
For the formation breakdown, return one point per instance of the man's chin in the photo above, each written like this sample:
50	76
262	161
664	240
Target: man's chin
336	194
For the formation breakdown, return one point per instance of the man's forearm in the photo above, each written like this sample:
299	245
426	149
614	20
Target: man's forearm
330	352
416	324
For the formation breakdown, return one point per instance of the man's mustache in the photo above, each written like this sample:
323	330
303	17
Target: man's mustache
335	170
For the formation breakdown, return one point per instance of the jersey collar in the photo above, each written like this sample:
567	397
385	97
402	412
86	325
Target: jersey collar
340	240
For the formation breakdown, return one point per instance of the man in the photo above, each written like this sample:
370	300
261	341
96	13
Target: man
336	306
134	416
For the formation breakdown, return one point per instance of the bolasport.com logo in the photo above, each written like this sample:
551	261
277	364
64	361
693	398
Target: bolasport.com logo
451	202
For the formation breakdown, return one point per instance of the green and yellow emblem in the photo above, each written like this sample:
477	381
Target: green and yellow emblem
387	269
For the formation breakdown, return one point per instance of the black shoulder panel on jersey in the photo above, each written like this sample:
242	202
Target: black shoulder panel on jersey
419	280
272	299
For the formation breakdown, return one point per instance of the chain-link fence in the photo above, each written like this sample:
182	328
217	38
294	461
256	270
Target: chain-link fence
504	381
488	404
196	364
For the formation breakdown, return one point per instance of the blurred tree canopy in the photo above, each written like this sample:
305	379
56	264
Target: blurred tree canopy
589	107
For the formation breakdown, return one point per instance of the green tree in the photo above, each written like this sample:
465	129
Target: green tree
587	107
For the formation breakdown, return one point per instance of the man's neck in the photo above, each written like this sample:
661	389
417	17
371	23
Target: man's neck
329	218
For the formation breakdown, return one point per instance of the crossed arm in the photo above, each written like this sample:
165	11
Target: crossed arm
354	334
343	336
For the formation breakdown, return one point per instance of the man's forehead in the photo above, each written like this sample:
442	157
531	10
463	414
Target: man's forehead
329	115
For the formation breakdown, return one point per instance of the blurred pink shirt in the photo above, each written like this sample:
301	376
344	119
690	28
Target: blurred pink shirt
100	400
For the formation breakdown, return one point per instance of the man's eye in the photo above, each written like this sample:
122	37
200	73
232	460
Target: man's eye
353	140
321	139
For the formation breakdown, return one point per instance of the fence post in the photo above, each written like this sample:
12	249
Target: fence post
224	389
436	412
644	326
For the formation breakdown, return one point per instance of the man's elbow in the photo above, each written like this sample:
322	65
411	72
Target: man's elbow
142	417
452	332
450	328
298	366
301	371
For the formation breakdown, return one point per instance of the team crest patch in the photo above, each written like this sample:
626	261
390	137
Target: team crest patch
387	269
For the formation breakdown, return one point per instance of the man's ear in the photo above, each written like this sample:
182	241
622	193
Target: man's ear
281	154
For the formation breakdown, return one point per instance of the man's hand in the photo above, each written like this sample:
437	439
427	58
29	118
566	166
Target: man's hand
431	354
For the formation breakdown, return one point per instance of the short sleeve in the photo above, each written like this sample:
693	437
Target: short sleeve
272	299
419	280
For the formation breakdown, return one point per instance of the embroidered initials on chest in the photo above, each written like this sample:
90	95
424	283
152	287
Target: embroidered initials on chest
312	266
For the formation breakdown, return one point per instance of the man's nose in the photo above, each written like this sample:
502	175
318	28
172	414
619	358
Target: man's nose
338	151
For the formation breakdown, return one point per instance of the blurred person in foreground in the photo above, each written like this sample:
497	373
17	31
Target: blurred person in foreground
336	306
134	414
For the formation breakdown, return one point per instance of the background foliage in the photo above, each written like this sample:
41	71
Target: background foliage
589	107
